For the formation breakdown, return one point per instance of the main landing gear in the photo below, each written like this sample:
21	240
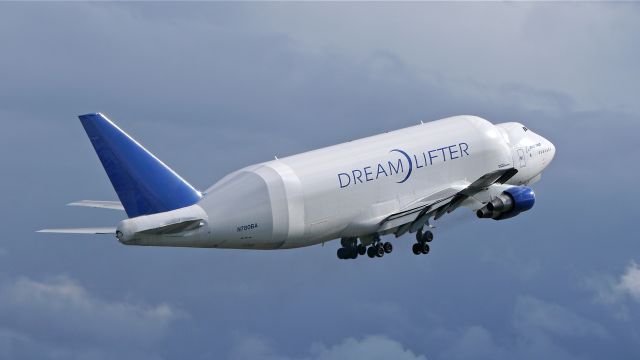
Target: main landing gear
422	239
351	249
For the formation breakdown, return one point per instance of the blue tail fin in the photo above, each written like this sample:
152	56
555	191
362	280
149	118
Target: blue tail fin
144	184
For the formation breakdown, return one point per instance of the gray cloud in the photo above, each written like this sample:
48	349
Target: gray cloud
369	347
59	311
210	88
620	293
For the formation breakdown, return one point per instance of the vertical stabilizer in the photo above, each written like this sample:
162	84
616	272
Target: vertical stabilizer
144	184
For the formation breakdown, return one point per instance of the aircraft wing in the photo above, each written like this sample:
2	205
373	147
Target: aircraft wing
114	205
441	202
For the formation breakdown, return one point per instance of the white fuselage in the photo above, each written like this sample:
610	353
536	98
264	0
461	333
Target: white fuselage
346	190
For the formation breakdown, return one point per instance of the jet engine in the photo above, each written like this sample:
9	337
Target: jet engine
510	203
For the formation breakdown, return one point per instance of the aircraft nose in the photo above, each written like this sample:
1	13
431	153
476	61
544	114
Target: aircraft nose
553	151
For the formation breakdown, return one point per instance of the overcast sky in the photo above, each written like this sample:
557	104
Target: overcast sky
213	87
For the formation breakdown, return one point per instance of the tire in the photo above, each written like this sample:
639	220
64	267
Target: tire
425	248
417	249
379	250
362	249
371	251
341	253
388	247
427	236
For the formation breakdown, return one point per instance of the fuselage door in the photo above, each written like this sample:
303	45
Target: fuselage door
521	160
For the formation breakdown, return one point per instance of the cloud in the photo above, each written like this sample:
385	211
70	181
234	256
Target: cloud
474	342
629	282
617	293
373	347
59	314
210	88
539	329
537	315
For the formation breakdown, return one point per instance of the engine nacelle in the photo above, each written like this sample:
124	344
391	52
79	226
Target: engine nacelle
510	203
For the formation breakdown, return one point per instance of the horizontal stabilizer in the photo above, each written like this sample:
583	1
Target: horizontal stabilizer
113	205
91	230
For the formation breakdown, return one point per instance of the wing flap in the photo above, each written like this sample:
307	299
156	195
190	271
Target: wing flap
418	208
475	187
441	202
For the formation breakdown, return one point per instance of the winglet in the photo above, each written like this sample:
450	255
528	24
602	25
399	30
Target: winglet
144	184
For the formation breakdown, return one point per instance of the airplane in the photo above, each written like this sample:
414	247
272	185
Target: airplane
359	191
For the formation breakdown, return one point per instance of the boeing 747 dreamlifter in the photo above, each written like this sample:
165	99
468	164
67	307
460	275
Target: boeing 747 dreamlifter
359	191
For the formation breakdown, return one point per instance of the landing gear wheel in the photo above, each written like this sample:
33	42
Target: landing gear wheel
427	236
341	253
417	249
362	249
424	248
379	250
371	251
388	248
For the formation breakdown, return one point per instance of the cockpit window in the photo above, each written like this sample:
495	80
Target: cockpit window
525	128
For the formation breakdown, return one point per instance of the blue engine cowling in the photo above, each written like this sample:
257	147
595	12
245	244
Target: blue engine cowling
510	203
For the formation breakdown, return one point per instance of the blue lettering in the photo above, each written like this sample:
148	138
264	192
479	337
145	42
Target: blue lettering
415	157
397	166
381	170
451	152
444	158
359	177
342	185
431	157
466	147
368	173
392	168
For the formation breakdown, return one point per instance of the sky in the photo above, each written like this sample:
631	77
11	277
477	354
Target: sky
212	87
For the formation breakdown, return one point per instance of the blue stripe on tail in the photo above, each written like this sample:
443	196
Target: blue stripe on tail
144	184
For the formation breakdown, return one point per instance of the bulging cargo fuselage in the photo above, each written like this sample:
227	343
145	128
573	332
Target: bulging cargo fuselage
346	190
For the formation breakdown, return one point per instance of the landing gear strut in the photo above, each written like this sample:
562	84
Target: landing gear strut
421	245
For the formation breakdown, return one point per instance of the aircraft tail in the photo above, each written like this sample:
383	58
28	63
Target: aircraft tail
144	184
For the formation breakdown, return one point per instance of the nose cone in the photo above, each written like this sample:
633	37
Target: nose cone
552	152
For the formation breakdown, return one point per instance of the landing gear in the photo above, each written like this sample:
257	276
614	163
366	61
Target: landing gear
347	253
426	236
422	239
351	249
372	252
362	249
379	250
